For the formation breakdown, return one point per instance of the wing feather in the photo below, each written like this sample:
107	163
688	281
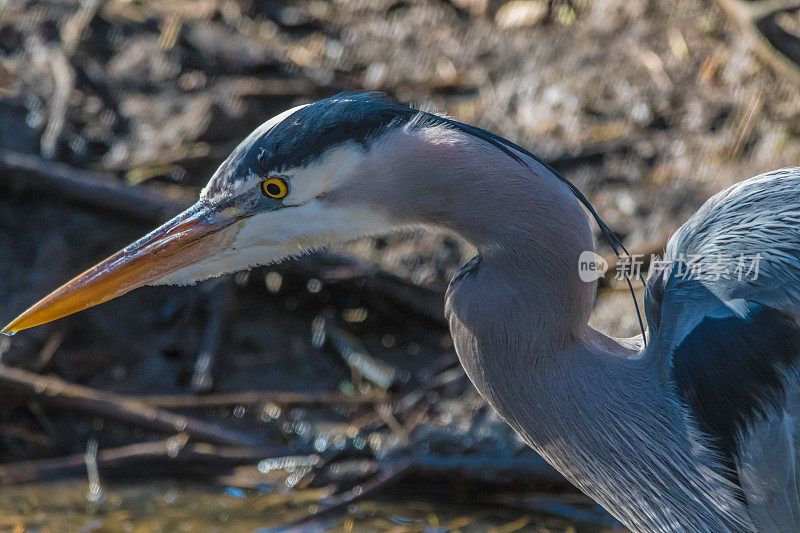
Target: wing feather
730	343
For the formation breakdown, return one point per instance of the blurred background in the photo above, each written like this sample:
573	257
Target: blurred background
324	393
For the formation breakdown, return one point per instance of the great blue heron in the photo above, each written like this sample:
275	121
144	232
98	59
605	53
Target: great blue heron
694	432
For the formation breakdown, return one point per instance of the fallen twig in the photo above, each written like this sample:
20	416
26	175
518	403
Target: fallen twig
171	451
338	503
73	29
218	306
592	154
752	18
356	356
256	397
31	173
58	393
63	76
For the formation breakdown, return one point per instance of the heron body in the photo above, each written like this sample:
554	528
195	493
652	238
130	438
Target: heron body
695	432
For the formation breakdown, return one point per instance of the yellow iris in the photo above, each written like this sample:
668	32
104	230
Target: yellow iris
274	188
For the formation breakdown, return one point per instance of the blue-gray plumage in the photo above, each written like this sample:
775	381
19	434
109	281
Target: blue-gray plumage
697	431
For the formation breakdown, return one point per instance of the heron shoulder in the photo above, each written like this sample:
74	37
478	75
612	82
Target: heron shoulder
728	341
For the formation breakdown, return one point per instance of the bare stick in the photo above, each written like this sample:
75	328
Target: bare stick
256	397
58	393
338	503
170	451
749	15
34	174
218	307
63	76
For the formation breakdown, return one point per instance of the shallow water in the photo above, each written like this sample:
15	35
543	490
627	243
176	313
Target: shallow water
173	505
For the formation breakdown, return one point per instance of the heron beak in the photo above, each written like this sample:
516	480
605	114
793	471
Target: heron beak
196	234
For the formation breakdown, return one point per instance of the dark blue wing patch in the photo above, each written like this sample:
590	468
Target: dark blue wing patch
730	369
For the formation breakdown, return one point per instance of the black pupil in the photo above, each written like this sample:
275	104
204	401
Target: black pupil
273	189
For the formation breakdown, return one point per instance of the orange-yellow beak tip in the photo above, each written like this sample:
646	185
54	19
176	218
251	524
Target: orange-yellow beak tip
23	321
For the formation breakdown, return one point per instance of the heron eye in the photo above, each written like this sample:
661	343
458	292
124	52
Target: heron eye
274	188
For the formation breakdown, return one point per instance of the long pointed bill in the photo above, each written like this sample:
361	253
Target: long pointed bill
196	234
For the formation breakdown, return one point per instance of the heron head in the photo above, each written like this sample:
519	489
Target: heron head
287	188
331	171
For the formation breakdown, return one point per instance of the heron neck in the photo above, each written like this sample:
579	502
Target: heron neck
530	233
519	317
526	224
576	396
